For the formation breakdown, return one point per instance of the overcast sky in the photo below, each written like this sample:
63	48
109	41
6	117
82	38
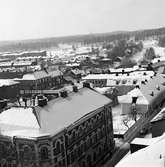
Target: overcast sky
22	19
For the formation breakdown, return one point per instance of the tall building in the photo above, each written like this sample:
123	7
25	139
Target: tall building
73	130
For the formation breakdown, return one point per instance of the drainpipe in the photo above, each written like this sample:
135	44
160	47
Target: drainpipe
65	147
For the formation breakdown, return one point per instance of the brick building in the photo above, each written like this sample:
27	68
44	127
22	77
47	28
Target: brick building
73	130
9	89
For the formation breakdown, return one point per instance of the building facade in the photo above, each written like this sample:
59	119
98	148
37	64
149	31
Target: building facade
84	143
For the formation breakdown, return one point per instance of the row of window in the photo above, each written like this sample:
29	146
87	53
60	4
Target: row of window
85	127
83	146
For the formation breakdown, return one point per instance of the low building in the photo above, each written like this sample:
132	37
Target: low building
9	89
158	124
73	130
101	80
41	80
151	156
147	98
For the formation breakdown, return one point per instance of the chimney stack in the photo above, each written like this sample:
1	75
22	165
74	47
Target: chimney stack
64	94
75	89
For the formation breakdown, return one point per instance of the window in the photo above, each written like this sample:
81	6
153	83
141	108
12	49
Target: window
58	147
44	153
27	153
94	156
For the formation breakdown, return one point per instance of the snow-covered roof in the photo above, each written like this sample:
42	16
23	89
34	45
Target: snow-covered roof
7	82
58	114
160	116
132	75
134	93
41	74
151	156
144	93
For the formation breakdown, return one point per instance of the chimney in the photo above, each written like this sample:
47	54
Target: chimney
143	82
127	74
117	82
151	77
134	82
137	86
155	73
146	80
152	93
122	71
42	100
144	73
157	87
75	89
117	74
64	94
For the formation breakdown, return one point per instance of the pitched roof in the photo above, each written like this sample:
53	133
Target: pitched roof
58	114
154	85
41	74
61	112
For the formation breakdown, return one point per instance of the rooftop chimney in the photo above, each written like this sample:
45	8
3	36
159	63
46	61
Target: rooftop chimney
75	89
42	100
137	86
155	73
134	81
117	82
152	93
64	94
157	87
143	82
144	73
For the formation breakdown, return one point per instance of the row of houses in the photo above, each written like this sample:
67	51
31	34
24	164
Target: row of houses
38	80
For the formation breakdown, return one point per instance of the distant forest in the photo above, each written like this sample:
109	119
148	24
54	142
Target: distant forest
47	43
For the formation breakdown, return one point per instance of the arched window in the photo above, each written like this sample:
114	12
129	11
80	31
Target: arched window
99	134
27	152
94	156
2	149
83	164
80	130
73	135
44	153
58	147
89	161
100	150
